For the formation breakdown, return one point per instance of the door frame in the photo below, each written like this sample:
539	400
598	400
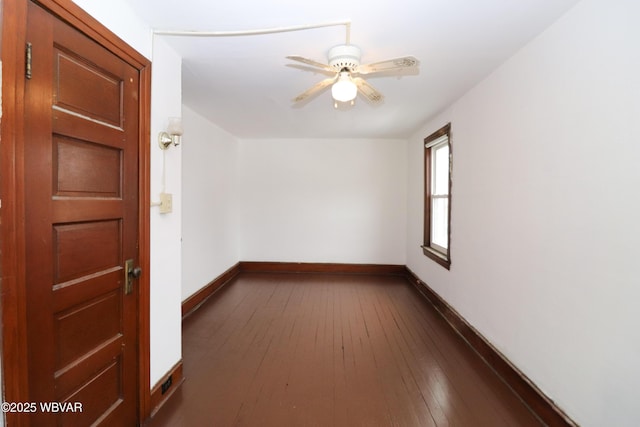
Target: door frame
13	27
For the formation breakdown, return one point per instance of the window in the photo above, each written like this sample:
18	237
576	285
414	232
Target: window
437	196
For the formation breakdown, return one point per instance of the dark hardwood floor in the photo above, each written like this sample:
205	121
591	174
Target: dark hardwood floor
331	350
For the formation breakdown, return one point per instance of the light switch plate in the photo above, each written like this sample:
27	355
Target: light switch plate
166	203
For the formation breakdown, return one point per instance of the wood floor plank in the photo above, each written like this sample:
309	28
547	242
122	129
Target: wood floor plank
331	350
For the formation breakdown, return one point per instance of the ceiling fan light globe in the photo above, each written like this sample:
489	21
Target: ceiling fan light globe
344	90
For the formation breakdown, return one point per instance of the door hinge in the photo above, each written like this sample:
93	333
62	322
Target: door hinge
27	66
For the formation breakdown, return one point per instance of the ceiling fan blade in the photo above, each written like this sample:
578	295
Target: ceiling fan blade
312	69
307	61
390	64
369	92
315	89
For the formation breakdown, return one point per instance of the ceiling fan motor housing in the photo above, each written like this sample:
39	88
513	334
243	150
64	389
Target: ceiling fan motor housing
344	56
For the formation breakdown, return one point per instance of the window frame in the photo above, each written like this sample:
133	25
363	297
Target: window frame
436	252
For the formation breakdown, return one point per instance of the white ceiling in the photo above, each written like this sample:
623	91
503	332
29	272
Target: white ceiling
243	84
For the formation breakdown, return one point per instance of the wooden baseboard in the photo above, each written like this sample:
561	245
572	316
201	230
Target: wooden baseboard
327	268
171	381
194	301
537	401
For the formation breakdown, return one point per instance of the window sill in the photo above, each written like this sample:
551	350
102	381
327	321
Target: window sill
437	257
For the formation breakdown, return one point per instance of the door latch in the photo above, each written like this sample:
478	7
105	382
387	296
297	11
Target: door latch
130	273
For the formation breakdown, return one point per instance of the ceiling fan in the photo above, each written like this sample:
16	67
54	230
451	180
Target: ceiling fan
345	68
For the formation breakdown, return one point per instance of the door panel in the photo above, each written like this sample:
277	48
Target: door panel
72	260
85	169
81	157
73	76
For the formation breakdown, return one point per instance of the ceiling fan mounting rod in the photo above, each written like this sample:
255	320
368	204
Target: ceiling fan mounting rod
256	32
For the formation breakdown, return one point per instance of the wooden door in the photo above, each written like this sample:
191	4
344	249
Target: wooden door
81	204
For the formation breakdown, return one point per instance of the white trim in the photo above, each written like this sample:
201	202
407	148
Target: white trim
443	138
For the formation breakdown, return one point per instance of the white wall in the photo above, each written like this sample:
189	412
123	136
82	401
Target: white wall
323	200
210	243
166	251
545	211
